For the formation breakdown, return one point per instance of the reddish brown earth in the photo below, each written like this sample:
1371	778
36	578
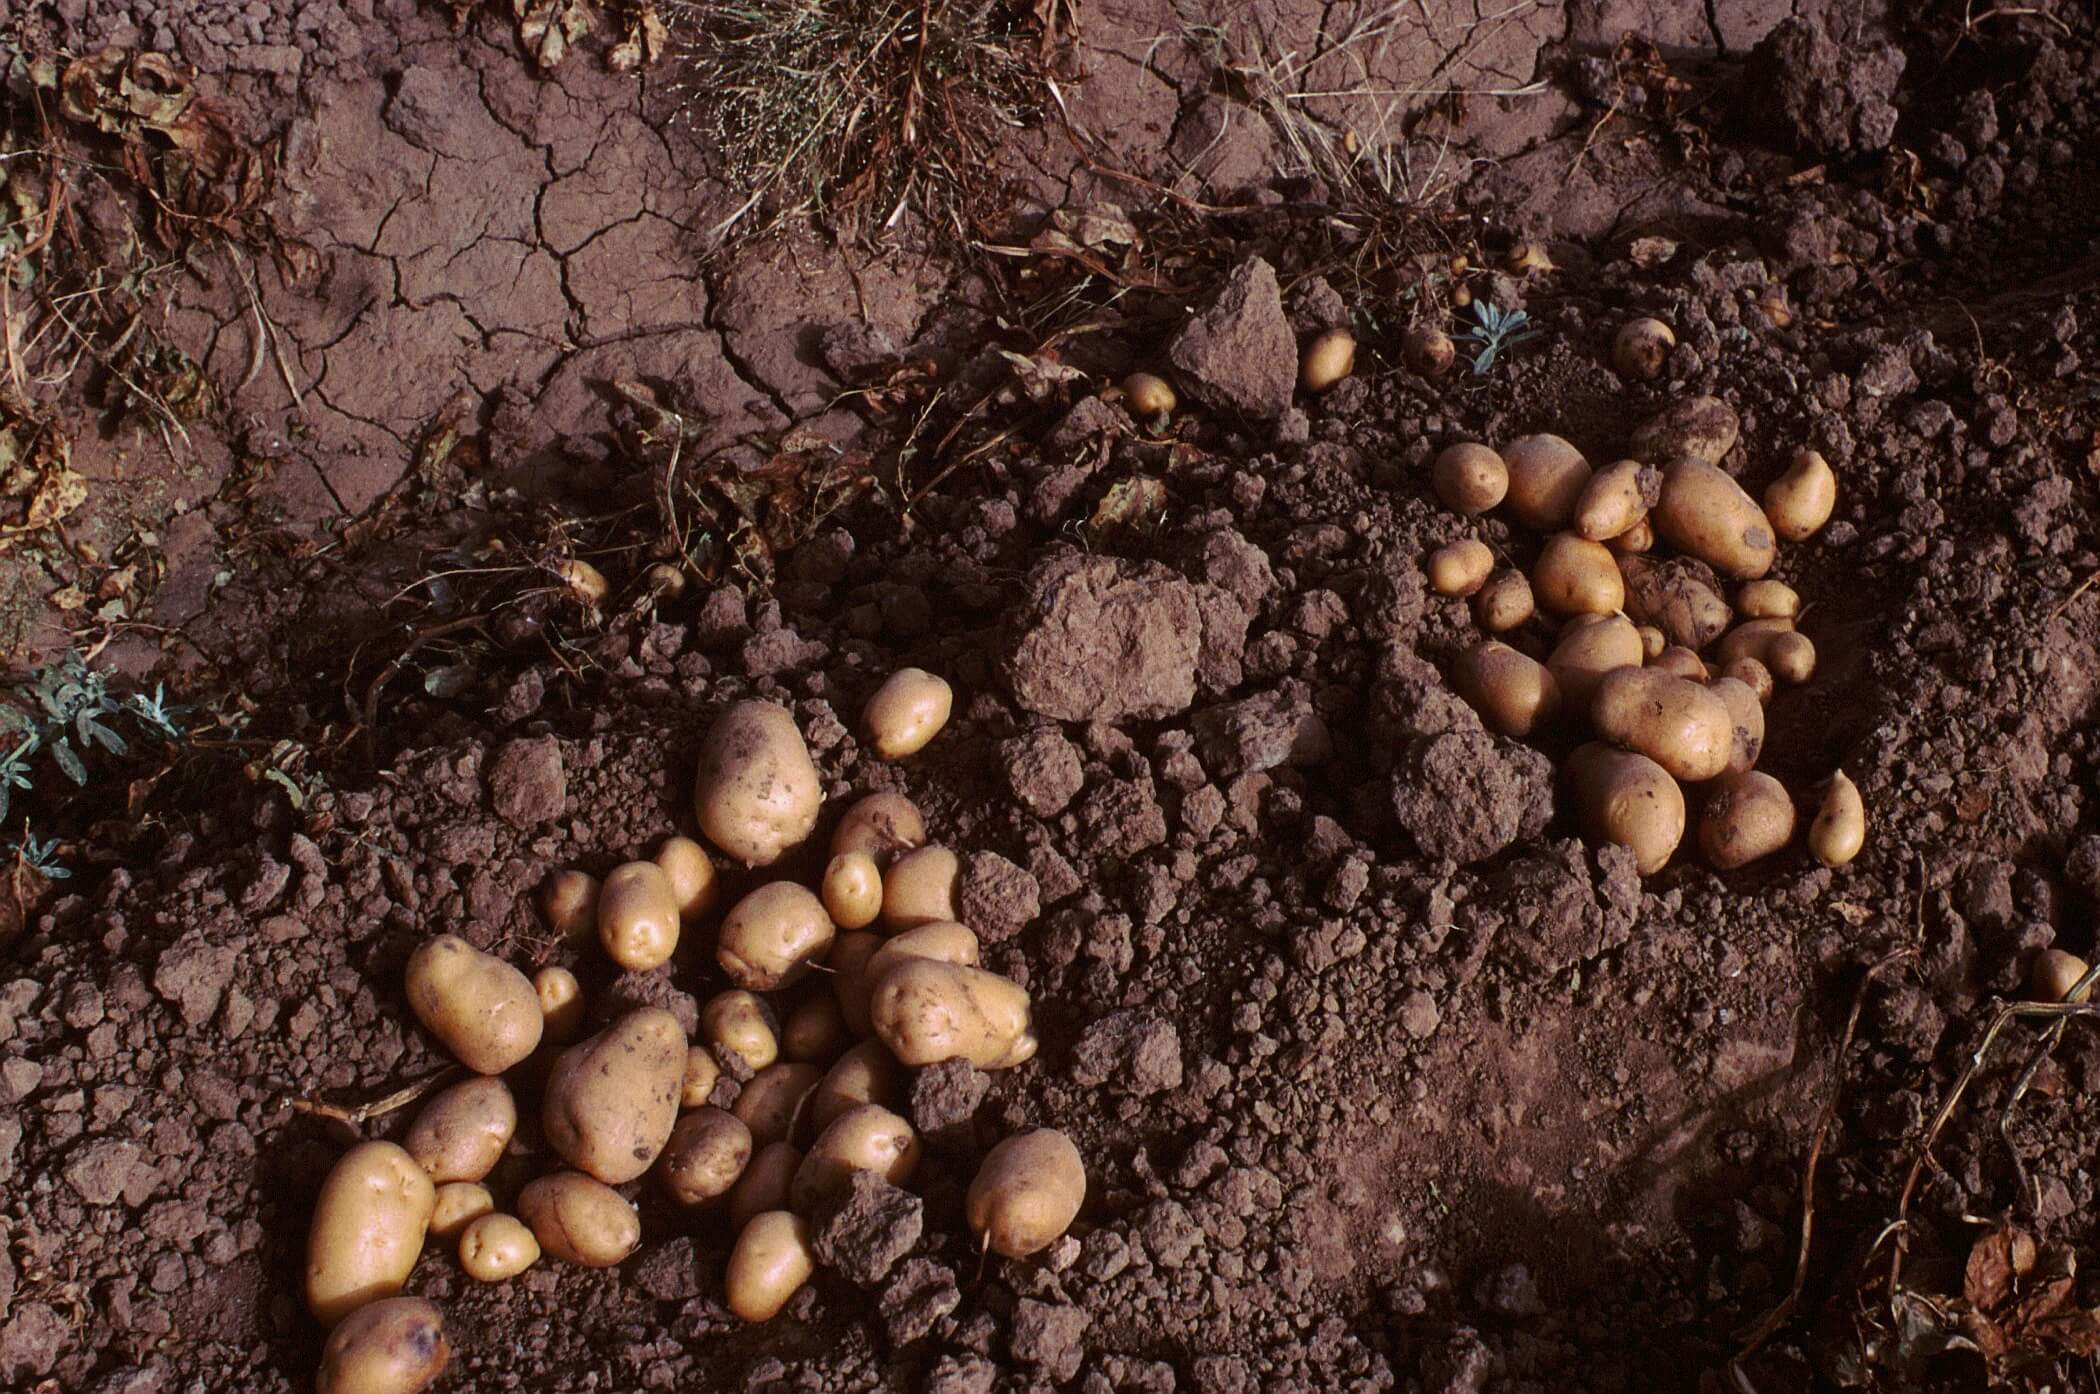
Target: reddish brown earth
1385	1080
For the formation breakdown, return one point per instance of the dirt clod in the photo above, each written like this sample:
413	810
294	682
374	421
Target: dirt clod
1239	354
1104	639
527	782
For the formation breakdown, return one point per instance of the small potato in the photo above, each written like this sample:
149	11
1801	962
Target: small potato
1747	711
1840	826
580	1220
1747	816
1772	643
1328	359
852	890
702	1074
1791	657
561	1004
460	1134
764	1184
585	582
368	1228
1428	352
1675	722
1469	477
1681	598
1546	477
883	825
1514	693
1027	1192
496	1247
1767	600
1702	429
569	902
1574	577
484	1010
1705	514
815	1031
2055	974
1617	497
774	1103
1459	568
459	1204
944	941
865	1138
926	1011
771	936
694	886
740	1023
866	1074
1149	394
638	916
1680	661
1641	348
850	983
664	581
708	1151
757	792
1653	642
1753	675
1503	603
906	712
1634	541
920	887
1627	798
612	1098
396	1346
1800	502
1590	647
770	1263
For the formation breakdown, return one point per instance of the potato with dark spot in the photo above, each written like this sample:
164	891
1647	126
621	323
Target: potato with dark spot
1627	798
771	1261
926	1011
885	826
460	1135
1681	598
1705	514
1702	429
580	1220
368	1228
1747	816
708	1152
770	938
1027	1192
757	791
396	1346
484	1010
1514	693
612	1098
1546	476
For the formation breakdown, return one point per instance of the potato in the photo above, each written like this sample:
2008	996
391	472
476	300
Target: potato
561	1004
1701	429
1840	826
757	792
1799	502
764	1184
770	1263
484	1010
1747	816
906	712
774	1103
1773	643
1653	642
850	983
459	1204
496	1247
1590	647
580	1220
1503	603
1705	514
815	1031
638	916
1428	351
1328	359
612	1098
1027	1192
927	1011
1624	797
569	902
1791	657
2054	975
866	1074
1635	540
1527	258
920	887
694	886
1513	692
1675	722
702	1074
1681	598
885	826
396	1346
1767	600
1149	394
944	941
708	1151
1747	712
739	1022
867	1137
460	1135
1679	661
1546	476
368	1228
1752	674
1574	577
1459	568
771	937
1469	477
664	581
586	583
852	890
1641	348
1617	497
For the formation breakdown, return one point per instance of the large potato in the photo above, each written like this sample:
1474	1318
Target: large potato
1590	647
460	1135
774	1103
770	1263
948	941
1702	429
612	1098
1747	816
708	1151
1513	692
1617	497
865	1138
920	887
757	793
368	1228
1747	710
906	712
866	1074
1575	577
926	1011
1627	798
771	937
580	1220
484	1010
1705	514
396	1346
1546	477
1027	1192
1681	598
1674	721
884	826
638	916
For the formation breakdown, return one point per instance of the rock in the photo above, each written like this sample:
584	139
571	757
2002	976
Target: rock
193	974
1089	418
1466	795
1419	1015
1051	1335
996	898
32	1341
1224	558
871	1225
918	1295
103	1171
1276	728
721	619
1133	1049
1122	818
669	1271
1561	914
856	350
1103	638
1822	97
1043	771
1221	658
1239	355
528	784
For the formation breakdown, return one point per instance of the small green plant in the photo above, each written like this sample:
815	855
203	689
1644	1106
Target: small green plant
68	702
39	857
1494	330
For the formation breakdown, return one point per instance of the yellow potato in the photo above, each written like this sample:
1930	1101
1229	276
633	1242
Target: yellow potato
906	712
884	825
1626	798
569	902
757	792
1747	816
708	1151
1681	598
1675	722
1635	540
1791	657
638	916
850	983
1469	477
1428	352
2055	974
580	1220
926	1011
1328	359
867	1137
1705	514
1617	497
944	941
774	1103
1752	674
920	887
1701	429
396	1346
561	1004
1546	476
1590	647
1641	348
496	1247
1762	640
866	1074
460	1135
1149	394
612	1098
484	1010
1459	568
459	1204
1574	577
1679	661
739	1022
1840	826
770	1263
1513	692
1767	600
1800	502
764	1184
1653	642
771	937
1747	712
694	886
585	582
368	1228
702	1074
1503	603
664	581
815	1031
1027	1192
852	890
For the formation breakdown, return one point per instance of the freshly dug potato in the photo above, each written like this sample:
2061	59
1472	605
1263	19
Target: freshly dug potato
1747	711
561	1004
1752	674
1428	351
638	916
764	1184
757	792
702	1074
850	983
1705	514
1641	348
664	581
1653	642
815	1031
1503	603
770	1263
1149	394
1679	661
1635	540
585	582
708	1151
1840	826
866	1074
1527	258
459	1204
1747	816
694	886
368	1228
1459	568
1681	598
1791	657
1514	693
927	1011
1755	639
1546	477
484	1010
920	887
882	825
396	1346
612	1098
1590	647
2055	974
1328	359
1469	477
1627	798
867	1137
496	1247
460	1135
739	1022
1697	428
1027	1192
580	1220
1675	722
944	941
1767	600
906	712
774	1103
771	937
852	890
1617	497
569	901
1574	577
1800	502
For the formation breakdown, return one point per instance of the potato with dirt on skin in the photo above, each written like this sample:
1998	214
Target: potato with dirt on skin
1641	347
852	890
884	825
742	1024
2054	976
702	1073
944	941
865	1138
927	1011
708	1151
1701	429
569	901
368	1228
1469	477
1590	647
1681	598
906	712
1026	1193
1459	568
1674	721
815	1031
1428	351
694	886
771	1261
866	1074
920	887
850	983
396	1346
757	792
496	1247
1705	514
1635	540
561	1004
1747	711
579	1219
1840	826
1800	502
774	1103
1617	497
638	916
1751	674
764	1184
1767	600
1747	816
1329	358
1513	692
1574	577
459	1204
484	1010
1546	476
1626	798
1149	394
460	1135
612	1098
1504	603
770	938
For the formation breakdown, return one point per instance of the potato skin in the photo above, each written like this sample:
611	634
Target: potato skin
926	1011
1840	826
1635	540
1469	477
1767	600
1459	568
459	1204
867	1137
1590	647
771	937
850	983
694	886
1617	497
612	1098
1751	674
1329	358
884	825
702	1074
1574	577
1546	476
770	1263
1679	597
2054	974
1679	661
757	792
1674	721
1026	1193
1514	693
1746	817
1747	711
368	1227
1504	603
920	887
484	1010
496	1247
852	890
1641	347
1627	798
1800	502
774	1102
394	1346
561	1004
1704	513
569	901
1703	429
460	1135
1791	657
866	1074
638	916
946	941
1752	639
1149	394
580	1220
906	712
708	1152
815	1031
764	1184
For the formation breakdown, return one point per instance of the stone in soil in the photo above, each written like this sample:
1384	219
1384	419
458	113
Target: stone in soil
1104	639
1239	354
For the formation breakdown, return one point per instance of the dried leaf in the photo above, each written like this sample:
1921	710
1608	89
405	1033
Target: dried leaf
1096	225
57	494
68	599
2073	1333
1131	504
1651	252
1041	375
1996	1262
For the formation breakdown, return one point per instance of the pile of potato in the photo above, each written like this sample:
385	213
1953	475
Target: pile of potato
1639	647
879	975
